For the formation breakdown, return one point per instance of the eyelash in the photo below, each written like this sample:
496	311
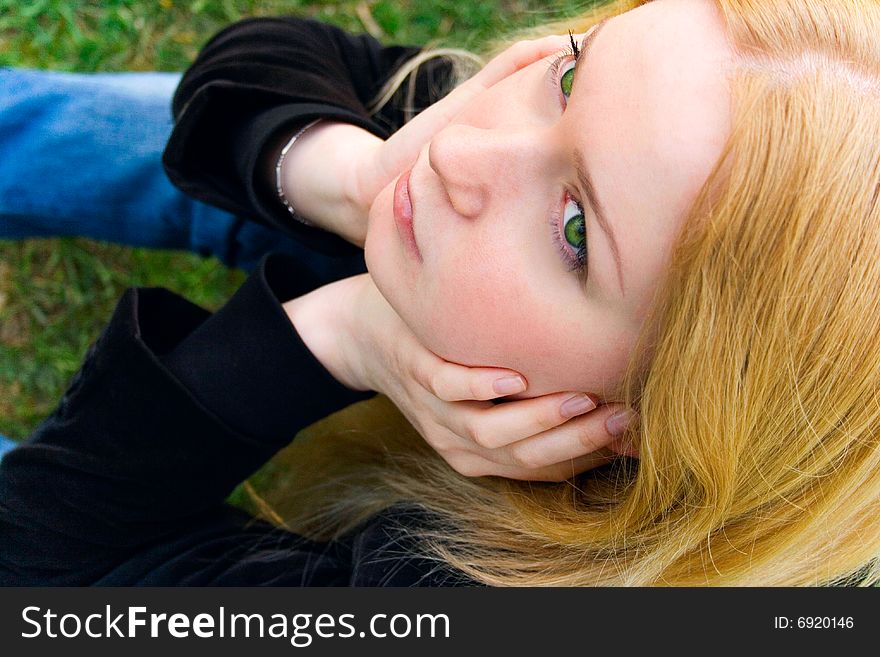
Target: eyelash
570	51
578	261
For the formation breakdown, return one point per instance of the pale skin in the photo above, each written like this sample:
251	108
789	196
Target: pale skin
493	294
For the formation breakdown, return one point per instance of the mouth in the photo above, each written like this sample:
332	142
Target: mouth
403	215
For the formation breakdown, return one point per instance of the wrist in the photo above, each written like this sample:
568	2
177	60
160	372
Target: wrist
279	167
318	177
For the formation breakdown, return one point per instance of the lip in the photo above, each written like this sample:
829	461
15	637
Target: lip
403	215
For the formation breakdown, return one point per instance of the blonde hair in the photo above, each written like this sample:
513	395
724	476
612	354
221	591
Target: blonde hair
759	405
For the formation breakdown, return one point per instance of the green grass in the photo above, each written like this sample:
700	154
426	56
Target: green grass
56	295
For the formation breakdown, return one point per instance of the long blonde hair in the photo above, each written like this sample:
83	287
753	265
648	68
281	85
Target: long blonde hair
760	419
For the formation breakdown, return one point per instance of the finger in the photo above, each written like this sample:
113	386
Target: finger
624	447
474	465
504	424
398	153
517	56
567	469
575	438
624	421
453	382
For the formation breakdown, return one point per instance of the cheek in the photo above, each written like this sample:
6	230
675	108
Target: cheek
481	313
475	306
496	307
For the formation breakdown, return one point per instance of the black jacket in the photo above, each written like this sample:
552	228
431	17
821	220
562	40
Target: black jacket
262	78
125	483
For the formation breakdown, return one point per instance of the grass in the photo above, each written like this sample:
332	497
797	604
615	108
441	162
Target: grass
57	294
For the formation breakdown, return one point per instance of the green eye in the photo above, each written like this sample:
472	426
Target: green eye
571	236
575	231
566	81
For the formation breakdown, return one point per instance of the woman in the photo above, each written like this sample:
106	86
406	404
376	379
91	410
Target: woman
166	375
744	477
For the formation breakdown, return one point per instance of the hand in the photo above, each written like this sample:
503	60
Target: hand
379	163
353	331
335	170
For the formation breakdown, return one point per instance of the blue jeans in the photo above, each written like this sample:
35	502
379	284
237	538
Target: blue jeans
80	155
5	446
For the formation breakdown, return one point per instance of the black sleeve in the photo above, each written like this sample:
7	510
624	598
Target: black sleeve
258	80
172	408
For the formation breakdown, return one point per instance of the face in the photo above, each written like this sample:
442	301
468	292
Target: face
514	268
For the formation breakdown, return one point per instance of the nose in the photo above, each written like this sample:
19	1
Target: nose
474	164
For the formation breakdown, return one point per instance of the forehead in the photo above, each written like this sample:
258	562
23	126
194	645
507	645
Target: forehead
651	114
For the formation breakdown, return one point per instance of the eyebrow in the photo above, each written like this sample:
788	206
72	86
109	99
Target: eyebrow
581	165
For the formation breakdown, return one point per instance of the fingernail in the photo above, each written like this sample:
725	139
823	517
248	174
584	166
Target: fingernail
616	424
509	385
576	405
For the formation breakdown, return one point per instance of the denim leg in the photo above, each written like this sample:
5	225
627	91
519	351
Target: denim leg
80	155
5	445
